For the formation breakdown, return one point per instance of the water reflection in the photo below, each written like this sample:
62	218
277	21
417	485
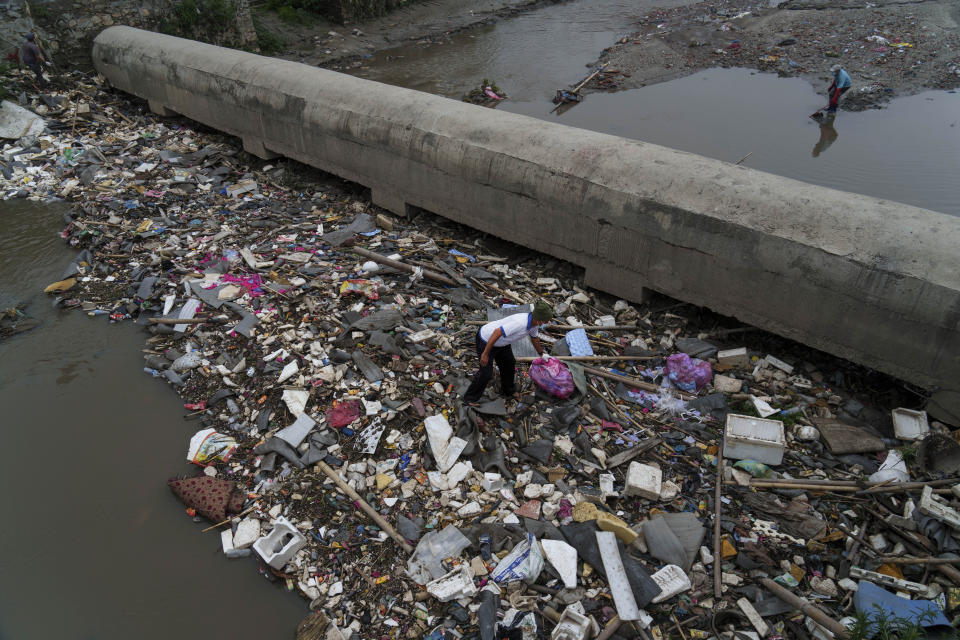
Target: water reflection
828	134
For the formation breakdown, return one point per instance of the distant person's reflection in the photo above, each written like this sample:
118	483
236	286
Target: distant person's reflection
827	134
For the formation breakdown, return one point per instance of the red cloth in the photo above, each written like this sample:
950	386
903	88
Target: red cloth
211	497
343	414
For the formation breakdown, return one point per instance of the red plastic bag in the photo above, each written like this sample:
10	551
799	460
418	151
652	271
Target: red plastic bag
552	376
689	374
343	414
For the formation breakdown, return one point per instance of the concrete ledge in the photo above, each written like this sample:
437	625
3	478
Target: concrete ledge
872	281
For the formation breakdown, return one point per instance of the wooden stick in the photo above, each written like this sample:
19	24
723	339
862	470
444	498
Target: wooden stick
365	506
220	524
611	628
902	560
717	547
589	78
586	327
379	259
185	320
590	358
744	158
630	381
838	630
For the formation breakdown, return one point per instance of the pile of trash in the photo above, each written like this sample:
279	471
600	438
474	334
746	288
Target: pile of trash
486	94
647	482
888	48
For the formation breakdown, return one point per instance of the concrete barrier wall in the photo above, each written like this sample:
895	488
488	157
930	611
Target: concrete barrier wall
872	281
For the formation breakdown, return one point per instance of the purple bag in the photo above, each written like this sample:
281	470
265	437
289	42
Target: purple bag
552	376
689	374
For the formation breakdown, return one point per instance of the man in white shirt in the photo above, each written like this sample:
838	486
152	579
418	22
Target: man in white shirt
493	345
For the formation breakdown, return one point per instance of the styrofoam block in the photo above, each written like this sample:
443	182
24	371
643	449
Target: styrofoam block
747	607
491	481
922	590
909	424
751	438
734	357
574	624
643	480
454	585
248	531
930	506
779	364
672	580
563	557
277	547
620	588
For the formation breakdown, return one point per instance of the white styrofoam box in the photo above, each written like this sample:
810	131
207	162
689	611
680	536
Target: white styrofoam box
930	506
909	424
734	357
574	624
643	480
750	438
454	585
277	547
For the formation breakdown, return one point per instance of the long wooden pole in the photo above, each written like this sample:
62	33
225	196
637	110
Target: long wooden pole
630	381
364	505
838	630
402	266
589	358
717	549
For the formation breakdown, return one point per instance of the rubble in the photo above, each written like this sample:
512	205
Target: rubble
327	393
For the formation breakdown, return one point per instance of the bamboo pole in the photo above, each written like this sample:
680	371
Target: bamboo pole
185	320
590	358
402	266
631	381
902	560
364	506
838	630
220	524
611	628
717	549
586	327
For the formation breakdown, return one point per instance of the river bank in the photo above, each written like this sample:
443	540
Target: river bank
889	48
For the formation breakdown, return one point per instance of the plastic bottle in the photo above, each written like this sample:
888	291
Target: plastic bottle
153	372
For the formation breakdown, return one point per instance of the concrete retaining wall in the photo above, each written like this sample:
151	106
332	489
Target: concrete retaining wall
872	281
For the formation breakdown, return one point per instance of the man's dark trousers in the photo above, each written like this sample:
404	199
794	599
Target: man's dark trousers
507	364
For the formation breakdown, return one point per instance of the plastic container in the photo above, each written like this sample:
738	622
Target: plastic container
749	438
909	424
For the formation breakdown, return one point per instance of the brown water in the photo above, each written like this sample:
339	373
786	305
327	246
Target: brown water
908	152
94	544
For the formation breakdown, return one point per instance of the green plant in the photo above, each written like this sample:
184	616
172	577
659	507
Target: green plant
203	19
884	626
268	41
909	454
288	14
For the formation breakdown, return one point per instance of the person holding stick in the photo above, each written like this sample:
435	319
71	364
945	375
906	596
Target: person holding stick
33	58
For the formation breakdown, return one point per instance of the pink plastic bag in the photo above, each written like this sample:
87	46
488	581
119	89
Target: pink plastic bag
689	374
552	376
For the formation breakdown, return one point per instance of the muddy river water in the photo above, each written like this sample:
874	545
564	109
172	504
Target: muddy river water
95	546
